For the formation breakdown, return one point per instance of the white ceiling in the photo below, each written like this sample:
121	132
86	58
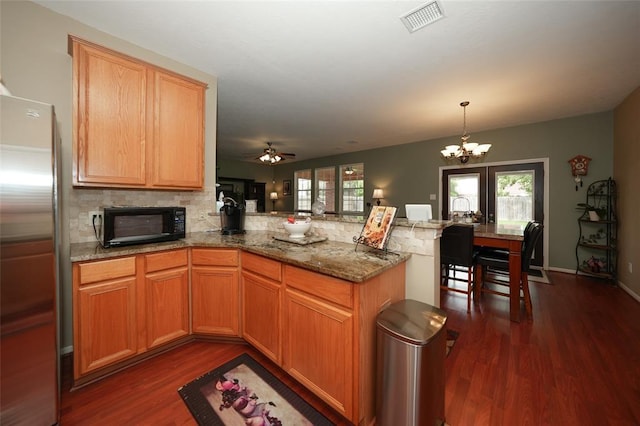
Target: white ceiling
320	78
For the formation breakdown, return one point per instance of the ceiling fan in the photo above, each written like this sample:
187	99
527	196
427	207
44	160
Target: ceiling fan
271	156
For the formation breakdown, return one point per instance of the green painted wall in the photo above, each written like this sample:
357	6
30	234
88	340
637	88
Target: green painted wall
409	173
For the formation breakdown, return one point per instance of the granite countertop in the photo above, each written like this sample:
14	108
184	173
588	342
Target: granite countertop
336	259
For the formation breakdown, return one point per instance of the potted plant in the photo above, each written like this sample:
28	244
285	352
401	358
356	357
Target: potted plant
595	213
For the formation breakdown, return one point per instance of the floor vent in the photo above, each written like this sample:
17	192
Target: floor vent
422	16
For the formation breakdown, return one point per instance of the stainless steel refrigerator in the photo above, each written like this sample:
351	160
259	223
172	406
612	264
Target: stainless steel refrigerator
29	354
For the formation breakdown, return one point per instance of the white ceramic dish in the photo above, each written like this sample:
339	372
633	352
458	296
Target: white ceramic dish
297	229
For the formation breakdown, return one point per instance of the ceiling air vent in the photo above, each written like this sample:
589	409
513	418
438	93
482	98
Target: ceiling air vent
422	16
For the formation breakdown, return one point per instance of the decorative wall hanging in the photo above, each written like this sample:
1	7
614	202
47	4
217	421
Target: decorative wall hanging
286	187
579	167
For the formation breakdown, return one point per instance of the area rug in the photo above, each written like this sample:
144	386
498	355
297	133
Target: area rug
451	340
242	392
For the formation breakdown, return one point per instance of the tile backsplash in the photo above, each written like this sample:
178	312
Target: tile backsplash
200	207
84	202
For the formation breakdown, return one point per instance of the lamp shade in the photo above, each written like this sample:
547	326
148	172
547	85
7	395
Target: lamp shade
273	196
378	193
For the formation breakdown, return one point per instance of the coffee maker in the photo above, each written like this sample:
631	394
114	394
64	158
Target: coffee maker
231	217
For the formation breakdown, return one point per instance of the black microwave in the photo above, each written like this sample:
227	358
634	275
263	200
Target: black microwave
125	226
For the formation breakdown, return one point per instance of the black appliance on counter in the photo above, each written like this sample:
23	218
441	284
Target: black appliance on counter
125	226
231	217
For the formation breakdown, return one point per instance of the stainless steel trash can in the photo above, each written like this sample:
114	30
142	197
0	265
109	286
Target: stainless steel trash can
411	345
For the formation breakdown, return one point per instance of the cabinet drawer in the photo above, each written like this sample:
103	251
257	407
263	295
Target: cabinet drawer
107	269
261	265
165	260
329	288
214	257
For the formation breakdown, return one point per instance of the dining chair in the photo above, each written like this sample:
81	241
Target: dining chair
457	255
498	261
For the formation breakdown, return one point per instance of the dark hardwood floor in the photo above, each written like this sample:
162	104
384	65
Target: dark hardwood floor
576	363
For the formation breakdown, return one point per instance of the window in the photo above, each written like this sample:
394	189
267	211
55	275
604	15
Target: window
325	186
464	192
302	190
509	194
352	188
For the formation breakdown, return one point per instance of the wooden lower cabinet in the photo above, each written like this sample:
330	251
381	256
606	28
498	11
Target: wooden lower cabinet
318	349
319	329
261	304
166	296
329	330
215	292
104	313
123	307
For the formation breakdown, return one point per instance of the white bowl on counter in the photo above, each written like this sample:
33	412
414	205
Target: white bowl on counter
297	229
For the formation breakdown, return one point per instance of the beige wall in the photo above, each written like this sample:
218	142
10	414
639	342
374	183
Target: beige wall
626	154
34	64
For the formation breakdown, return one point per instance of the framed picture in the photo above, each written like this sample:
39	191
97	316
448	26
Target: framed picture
286	187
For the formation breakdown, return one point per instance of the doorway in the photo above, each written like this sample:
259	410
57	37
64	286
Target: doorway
510	194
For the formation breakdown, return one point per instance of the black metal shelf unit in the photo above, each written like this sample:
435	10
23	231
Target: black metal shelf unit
596	249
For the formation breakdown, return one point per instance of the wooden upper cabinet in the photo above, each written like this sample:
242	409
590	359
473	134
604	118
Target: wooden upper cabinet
109	134
135	125
178	132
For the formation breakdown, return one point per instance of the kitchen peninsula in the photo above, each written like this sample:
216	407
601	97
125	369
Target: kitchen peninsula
310	308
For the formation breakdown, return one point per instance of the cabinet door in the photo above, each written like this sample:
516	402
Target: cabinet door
167	294
178	132
109	130
215	295
318	348
106	324
261	314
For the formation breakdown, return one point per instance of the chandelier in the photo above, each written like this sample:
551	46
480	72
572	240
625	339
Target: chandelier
465	150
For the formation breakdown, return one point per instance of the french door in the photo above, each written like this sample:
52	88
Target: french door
510	195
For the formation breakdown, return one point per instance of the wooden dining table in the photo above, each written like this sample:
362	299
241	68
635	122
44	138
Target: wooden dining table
504	237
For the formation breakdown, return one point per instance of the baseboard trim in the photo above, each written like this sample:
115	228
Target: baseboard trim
563	270
66	350
626	289
629	291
